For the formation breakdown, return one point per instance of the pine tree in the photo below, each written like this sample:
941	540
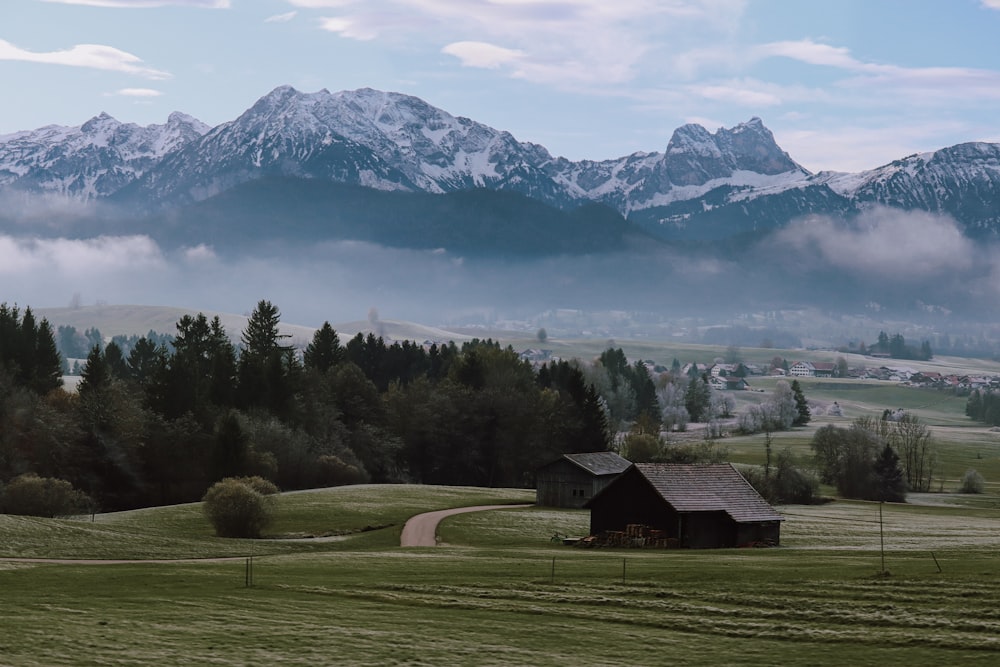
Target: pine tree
889	480
325	350
801	405
267	370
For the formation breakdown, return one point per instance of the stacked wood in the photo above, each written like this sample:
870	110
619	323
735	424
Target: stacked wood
635	535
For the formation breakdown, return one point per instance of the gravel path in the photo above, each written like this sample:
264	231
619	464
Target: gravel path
421	530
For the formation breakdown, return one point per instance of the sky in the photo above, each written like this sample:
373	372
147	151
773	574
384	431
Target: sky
846	85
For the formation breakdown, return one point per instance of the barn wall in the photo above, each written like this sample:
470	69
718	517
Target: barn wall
767	532
708	530
631	501
563	484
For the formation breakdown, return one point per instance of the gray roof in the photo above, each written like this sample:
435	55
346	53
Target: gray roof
708	488
599	463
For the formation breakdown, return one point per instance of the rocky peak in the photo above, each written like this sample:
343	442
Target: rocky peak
101	122
750	146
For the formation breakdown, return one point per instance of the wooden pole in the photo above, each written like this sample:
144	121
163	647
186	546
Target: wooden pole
552	577
936	562
623	570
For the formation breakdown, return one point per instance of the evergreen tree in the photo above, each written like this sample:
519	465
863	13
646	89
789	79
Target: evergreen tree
267	371
889	479
199	376
801	405
325	351
698	399
646	403
114	358
48	363
883	342
144	360
95	375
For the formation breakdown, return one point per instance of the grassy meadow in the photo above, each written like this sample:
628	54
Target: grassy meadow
332	586
498	591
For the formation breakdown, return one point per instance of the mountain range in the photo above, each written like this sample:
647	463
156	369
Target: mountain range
391	169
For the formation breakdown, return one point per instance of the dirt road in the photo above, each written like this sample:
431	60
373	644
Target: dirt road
421	530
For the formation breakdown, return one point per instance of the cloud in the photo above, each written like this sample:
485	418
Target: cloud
138	92
810	52
199	253
743	94
70	258
991	4
569	43
321	4
281	18
889	245
141	4
926	84
93	56
481	54
351	28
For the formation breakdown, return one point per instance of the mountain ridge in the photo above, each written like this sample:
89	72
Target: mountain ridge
702	186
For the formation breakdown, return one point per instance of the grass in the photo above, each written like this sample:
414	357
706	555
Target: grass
372	514
500	592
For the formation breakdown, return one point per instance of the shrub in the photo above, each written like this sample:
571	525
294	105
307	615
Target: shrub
334	471
240	506
972	482
31	495
786	483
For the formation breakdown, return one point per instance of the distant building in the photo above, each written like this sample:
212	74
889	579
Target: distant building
824	369
573	479
695	506
802	369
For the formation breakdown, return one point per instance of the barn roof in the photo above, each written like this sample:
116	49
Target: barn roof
599	463
708	488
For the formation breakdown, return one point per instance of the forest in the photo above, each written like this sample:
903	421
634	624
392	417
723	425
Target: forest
161	422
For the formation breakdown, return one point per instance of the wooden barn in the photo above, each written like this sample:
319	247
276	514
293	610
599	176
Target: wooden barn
695	506
573	479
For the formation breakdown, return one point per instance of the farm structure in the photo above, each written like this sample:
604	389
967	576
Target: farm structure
573	479
673	505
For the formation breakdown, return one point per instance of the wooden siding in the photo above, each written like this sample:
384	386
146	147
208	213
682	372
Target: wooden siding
635	499
563	484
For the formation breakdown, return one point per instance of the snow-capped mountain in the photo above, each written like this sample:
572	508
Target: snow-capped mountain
703	185
962	180
385	141
93	160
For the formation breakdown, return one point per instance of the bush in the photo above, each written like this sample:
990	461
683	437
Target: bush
31	495
334	471
972	482
240	506
786	483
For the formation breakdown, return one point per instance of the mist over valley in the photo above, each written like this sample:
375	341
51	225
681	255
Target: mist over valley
334	206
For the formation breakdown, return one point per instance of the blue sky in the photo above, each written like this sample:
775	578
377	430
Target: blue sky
843	84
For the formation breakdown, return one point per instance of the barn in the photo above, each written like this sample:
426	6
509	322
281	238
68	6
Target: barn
573	479
695	506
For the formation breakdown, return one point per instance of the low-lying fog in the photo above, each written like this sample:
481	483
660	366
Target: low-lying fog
903	262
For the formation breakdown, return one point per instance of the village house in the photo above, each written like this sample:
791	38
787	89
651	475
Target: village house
694	506
728	383
573	479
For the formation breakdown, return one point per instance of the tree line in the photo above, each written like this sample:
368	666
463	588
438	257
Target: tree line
161	423
895	346
877	458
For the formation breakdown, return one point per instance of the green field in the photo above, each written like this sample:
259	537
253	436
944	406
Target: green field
499	591
332	586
